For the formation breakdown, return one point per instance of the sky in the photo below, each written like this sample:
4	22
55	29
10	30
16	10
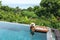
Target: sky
21	3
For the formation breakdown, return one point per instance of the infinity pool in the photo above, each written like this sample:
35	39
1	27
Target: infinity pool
14	31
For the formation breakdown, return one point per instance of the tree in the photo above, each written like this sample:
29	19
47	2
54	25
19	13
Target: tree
35	8
29	9
0	4
5	8
48	7
51	6
17	10
41	11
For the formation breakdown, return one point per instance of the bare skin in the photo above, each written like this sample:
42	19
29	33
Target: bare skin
32	28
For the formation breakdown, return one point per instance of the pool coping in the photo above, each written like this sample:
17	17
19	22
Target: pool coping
14	23
49	34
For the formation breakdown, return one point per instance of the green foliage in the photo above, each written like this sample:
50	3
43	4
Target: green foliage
29	14
0	4
46	14
52	6
30	9
48	7
35	8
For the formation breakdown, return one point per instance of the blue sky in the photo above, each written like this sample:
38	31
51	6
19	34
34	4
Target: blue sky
21	3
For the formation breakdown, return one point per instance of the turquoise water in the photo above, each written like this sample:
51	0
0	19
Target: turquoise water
10	31
53	36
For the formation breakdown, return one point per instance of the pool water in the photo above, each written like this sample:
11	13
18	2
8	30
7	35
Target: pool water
53	36
12	31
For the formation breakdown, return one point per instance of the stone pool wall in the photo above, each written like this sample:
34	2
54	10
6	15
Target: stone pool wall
57	33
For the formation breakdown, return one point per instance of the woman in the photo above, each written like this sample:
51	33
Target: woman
32	28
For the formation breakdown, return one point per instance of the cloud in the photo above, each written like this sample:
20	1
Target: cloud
21	1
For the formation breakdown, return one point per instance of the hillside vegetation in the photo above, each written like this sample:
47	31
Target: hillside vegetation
46	14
